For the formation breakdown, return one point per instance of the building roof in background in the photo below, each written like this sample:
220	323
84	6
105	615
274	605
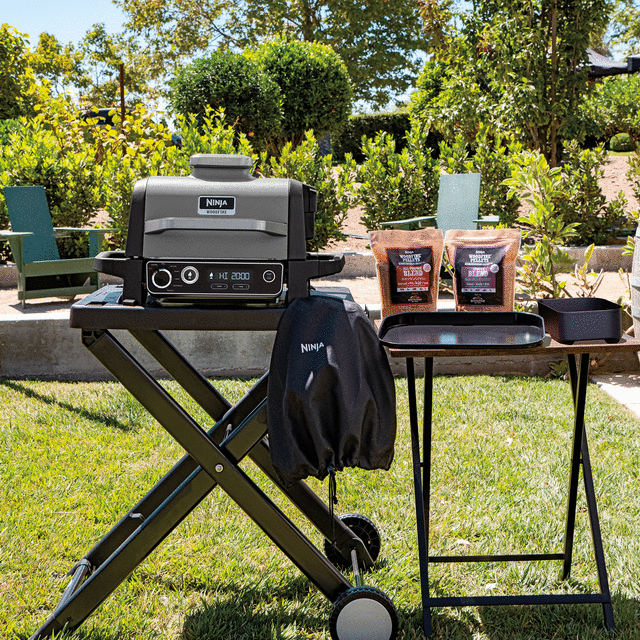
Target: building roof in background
602	66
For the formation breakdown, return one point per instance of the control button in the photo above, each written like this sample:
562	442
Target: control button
219	287
240	287
189	275
268	276
161	278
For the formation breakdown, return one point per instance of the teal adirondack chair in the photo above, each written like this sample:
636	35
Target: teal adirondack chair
41	272
458	201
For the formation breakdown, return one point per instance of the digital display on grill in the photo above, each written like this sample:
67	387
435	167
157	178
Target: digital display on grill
230	275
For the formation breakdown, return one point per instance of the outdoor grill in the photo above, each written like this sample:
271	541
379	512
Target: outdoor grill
219	235
239	244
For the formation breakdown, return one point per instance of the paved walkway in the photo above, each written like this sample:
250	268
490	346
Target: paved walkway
623	387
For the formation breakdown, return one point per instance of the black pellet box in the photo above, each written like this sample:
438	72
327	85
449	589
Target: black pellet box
568	320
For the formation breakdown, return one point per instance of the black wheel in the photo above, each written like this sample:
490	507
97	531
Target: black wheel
363	613
365	530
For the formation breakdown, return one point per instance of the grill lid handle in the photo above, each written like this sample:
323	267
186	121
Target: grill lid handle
214	224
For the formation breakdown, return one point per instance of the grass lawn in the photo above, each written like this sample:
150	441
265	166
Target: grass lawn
74	457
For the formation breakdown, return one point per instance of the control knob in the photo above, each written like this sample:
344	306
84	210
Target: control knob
161	278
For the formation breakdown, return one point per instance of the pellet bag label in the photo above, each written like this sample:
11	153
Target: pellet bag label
410	275
480	275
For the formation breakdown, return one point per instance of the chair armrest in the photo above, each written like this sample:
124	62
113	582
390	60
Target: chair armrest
86	229
6	235
490	221
16	241
410	223
96	237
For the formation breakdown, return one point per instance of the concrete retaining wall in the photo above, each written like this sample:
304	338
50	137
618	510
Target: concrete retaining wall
43	346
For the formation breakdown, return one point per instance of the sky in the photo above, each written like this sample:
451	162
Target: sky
67	20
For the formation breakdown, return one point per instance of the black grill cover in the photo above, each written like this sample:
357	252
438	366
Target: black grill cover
331	395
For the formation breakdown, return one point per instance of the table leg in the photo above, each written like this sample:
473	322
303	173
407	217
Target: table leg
580	455
421	473
579	379
427	414
594	521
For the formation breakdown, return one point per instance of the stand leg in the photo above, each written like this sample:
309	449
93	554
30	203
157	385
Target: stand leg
220	463
315	509
421	493
147	524
207	397
183	372
139	533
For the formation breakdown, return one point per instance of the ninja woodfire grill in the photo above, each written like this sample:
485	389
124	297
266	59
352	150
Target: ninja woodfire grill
219	235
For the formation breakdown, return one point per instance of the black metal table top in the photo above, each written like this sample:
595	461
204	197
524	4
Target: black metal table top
548	347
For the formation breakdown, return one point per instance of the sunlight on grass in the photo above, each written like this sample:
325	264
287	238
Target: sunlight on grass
75	457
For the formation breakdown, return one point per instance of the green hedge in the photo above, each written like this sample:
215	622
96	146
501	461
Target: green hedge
396	125
315	88
622	142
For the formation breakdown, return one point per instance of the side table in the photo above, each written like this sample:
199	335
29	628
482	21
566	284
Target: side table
579	375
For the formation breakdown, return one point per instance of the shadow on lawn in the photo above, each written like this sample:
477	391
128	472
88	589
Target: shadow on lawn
562	622
246	612
107	420
281	612
536	622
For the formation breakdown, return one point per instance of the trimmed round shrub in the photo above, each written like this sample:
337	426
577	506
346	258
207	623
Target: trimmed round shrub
315	87
250	98
622	142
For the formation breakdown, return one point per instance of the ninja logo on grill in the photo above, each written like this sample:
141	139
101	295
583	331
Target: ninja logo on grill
216	205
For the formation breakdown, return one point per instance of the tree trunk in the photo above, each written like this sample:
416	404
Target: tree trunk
553	125
308	22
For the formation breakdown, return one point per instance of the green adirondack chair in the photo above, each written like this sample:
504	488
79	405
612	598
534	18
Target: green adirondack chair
458	201
41	272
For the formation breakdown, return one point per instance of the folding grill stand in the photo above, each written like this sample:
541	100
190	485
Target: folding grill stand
213	459
580	456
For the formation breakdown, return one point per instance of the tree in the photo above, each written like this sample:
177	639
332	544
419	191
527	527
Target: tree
625	25
102	54
378	40
520	66
58	67
18	93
